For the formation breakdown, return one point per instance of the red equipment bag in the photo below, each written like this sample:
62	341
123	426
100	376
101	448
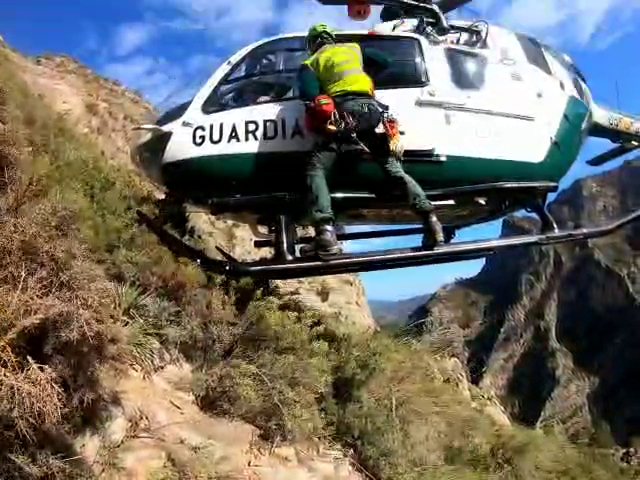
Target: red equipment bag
320	113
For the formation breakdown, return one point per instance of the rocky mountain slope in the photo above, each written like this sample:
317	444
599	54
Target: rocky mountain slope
554	331
105	112
118	361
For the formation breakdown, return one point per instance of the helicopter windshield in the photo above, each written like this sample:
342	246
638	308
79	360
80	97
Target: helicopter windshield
266	73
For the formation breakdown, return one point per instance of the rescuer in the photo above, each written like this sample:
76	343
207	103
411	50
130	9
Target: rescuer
341	108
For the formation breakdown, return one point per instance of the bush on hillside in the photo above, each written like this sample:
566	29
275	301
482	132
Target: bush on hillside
295	374
56	323
69	239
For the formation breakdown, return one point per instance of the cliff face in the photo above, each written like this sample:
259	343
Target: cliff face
554	331
104	112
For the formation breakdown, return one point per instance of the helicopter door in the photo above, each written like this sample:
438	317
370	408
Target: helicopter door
481	100
252	109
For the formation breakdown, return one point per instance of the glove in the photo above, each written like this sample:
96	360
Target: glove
319	114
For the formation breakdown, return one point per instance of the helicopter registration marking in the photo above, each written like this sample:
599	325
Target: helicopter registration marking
624	123
269	129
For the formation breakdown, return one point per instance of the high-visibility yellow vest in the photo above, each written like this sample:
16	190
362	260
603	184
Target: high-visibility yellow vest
340	69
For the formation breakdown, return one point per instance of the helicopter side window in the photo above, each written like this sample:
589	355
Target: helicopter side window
173	114
533	51
407	68
266	74
574	72
468	68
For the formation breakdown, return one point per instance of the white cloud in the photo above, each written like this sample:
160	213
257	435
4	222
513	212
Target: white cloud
129	37
578	23
232	24
225	26
228	22
162	82
299	15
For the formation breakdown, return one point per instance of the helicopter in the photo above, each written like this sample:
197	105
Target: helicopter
491	121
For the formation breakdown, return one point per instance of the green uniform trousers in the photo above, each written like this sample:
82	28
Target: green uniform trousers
367	116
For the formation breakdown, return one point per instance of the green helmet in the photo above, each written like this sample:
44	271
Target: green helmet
317	32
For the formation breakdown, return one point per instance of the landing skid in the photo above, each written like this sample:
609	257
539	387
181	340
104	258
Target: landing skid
285	265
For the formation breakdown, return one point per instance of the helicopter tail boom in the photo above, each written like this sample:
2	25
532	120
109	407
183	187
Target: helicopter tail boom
614	125
620	128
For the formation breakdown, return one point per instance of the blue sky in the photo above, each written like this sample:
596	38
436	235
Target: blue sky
167	48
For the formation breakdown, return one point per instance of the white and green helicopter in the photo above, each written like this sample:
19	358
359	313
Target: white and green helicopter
491	119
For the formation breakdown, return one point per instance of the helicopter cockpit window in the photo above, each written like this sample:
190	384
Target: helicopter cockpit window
269	72
468	68
173	114
574	72
265	74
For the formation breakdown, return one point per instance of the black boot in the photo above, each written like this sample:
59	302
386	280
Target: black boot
433	234
325	242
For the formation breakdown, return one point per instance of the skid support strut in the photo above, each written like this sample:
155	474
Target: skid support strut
284	238
548	223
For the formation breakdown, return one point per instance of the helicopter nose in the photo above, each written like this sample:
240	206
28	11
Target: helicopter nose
148	146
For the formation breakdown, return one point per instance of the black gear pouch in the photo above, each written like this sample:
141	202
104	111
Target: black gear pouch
365	112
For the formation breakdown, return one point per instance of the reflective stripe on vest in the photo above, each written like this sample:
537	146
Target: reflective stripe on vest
340	69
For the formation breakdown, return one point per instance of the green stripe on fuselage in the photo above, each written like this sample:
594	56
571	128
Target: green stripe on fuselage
260	173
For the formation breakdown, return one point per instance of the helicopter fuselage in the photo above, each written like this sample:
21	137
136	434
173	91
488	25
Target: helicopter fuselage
487	127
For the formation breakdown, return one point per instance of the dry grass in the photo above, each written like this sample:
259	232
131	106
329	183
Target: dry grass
67	230
56	324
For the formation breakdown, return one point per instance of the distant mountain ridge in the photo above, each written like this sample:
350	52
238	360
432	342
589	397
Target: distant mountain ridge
388	312
554	331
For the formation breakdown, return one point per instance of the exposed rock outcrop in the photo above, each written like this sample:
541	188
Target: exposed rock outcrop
157	431
102	110
554	331
341	295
